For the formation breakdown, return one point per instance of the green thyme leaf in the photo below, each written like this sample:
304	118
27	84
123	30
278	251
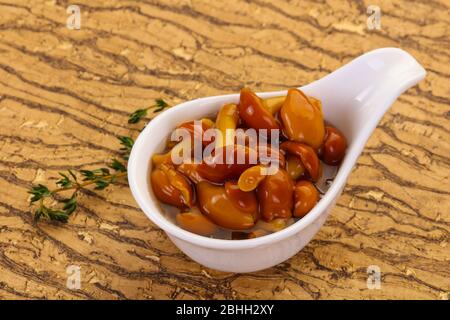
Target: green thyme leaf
70	204
137	115
126	142
50	214
65	182
101	184
39	192
96	174
57	215
160	105
87	174
117	165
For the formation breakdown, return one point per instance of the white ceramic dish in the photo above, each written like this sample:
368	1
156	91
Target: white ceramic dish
354	99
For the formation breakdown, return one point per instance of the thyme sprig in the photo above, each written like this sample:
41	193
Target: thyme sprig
51	205
137	115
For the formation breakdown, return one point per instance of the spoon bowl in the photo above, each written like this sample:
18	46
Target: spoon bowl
354	99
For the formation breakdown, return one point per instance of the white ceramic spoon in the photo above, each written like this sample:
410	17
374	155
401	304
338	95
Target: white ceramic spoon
354	99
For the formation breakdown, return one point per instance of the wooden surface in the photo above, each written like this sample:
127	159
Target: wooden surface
65	95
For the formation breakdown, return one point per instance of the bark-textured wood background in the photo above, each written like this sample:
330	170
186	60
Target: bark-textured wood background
66	94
